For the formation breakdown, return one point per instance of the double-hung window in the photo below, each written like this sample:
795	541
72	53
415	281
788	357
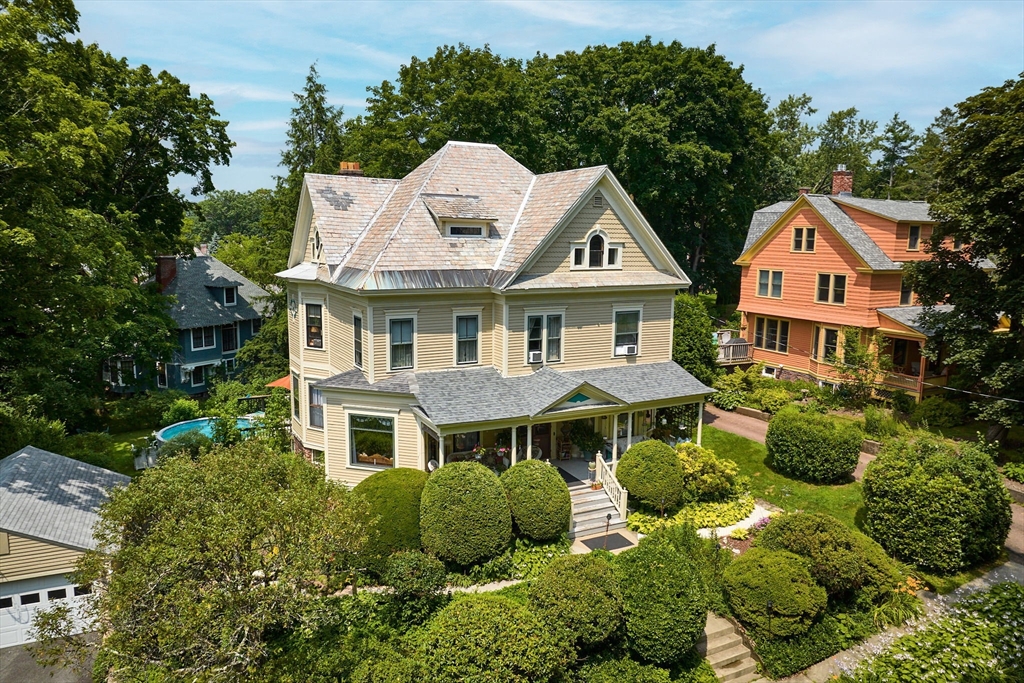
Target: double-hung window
230	296
296	397
316	407
825	343
831	289
203	338
257	325
357	341
906	294
544	338
401	331
803	239
229	338
198	376
467	336
914	238
371	440
627	333
314	326
161	375
771	334
769	283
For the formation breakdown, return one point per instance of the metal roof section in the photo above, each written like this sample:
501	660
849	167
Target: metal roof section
51	498
451	397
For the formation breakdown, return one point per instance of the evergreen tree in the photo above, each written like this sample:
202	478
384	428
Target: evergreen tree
693	339
897	143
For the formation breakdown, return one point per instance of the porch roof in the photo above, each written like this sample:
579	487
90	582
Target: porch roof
910	317
472	395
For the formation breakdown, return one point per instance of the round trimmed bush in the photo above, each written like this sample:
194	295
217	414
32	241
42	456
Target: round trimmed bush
464	514
539	499
664	601
841	559
579	595
416	583
811	447
760	576
393	498
937	507
652	474
491	638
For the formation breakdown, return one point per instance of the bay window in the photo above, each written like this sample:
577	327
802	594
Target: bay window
371	440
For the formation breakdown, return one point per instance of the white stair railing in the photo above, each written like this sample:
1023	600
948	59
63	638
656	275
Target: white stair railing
618	495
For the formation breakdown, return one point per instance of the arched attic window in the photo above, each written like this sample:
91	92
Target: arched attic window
596	248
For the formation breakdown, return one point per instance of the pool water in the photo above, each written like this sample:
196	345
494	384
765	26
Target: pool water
203	425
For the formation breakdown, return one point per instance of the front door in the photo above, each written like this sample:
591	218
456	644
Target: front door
542	439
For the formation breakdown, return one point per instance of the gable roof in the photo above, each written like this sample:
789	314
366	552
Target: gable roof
772	217
450	397
384	234
51	498
910	317
197	288
897	210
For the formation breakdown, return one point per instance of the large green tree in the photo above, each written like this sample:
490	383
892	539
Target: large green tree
896	144
226	212
87	147
842	138
693	339
979	200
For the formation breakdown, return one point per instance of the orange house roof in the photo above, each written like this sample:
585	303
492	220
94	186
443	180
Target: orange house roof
283	383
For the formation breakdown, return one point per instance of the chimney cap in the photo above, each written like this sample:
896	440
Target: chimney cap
841	167
349	168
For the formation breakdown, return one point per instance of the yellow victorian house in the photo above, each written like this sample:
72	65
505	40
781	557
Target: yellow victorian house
476	310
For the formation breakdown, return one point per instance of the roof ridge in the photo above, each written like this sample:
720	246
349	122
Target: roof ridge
515	224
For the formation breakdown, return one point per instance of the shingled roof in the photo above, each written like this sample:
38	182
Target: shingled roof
451	397
385	234
910	316
51	498
199	297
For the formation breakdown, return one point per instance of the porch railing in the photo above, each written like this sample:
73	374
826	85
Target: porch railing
619	496
901	381
735	352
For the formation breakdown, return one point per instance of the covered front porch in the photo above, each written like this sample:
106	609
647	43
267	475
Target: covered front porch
902	349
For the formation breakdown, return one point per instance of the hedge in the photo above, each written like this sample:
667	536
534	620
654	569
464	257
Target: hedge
620	670
491	638
783	657
652	474
760	576
464	514
664	601
416	587
937	507
539	499
580	596
811	447
393	497
937	412
841	559
707	557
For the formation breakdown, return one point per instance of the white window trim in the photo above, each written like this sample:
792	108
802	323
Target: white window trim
371	412
585	245
628	308
238	338
485	229
319	301
192	339
192	376
309	407
229	365
531	312
295	375
402	315
356	313
457	313
233	303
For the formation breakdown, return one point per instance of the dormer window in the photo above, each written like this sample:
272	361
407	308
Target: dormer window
466	231
596	251
230	296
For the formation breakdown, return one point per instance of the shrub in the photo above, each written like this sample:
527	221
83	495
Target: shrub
393	497
771	399
142	411
416	583
706	556
812	447
180	410
18	430
539	499
652	474
760	576
841	559
95	448
705	476
620	670
491	638
464	514
693	339
697	515
936	507
387	666
664	601
879	424
937	412
580	596
783	657
731	390
1014	471
189	443
902	402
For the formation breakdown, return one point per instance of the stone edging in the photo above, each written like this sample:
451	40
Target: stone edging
1016	490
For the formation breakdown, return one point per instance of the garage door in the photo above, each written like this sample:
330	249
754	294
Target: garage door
21	600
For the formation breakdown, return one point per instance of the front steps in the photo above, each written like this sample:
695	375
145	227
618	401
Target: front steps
728	655
590	510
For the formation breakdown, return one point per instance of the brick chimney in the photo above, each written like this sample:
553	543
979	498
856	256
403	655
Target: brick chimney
803	190
349	168
842	181
166	271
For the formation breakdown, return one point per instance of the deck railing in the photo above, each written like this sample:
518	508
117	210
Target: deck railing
618	495
735	352
901	381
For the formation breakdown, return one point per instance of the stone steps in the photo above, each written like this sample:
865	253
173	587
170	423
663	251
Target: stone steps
726	652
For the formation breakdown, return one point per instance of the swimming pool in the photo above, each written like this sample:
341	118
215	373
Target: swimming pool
203	425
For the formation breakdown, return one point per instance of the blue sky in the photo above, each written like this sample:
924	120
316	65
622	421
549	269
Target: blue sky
882	57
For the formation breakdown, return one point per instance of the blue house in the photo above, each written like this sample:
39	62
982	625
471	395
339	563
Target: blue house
216	310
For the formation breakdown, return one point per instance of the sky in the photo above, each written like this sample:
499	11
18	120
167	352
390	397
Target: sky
882	57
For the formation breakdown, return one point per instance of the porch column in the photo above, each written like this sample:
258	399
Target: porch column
923	362
514	453
629	430
615	440
700	421
529	441
440	448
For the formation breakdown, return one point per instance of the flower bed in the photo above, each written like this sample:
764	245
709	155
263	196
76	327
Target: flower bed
697	515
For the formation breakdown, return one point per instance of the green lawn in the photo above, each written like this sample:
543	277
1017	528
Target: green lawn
122	461
843	501
969	432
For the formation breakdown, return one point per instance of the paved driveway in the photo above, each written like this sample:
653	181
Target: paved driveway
17	666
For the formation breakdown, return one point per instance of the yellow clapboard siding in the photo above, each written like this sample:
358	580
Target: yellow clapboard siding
339	406
29	558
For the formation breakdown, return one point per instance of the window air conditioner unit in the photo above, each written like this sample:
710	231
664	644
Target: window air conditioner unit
626	350
535	357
